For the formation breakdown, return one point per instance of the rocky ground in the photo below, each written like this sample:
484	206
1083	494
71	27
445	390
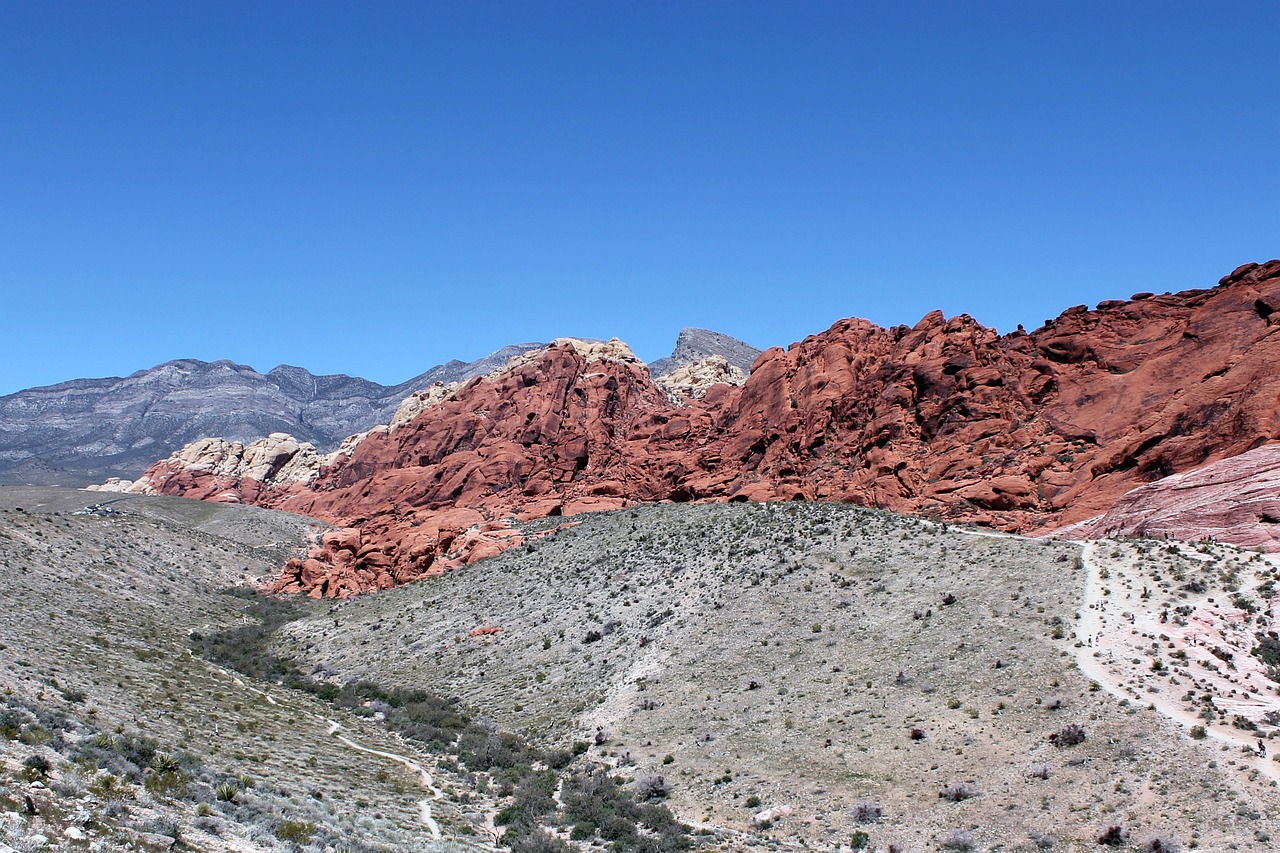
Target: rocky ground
788	675
99	615
792	669
1189	630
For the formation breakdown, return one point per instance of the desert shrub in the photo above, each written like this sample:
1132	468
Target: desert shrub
534	796
859	840
297	831
652	787
226	792
33	734
110	788
539	841
597	803
37	765
1043	840
1268	649
958	840
865	811
168	784
1069	735
1112	836
956	792
162	825
128	754
482	748
1161	844
1199	732
557	759
512	815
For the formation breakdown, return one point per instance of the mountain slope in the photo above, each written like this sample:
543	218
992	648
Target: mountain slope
87	430
696	344
793	662
799	675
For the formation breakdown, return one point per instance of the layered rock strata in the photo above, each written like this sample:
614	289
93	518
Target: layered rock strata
1235	500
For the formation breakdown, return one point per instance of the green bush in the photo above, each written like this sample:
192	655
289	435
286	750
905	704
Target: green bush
297	831
168	784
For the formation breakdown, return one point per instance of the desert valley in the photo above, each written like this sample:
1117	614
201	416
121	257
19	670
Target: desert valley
918	588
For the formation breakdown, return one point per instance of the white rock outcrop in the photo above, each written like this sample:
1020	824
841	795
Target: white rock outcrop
694	380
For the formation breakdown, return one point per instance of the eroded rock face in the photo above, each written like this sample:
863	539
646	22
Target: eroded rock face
217	469
1021	431
696	379
419	401
1236	500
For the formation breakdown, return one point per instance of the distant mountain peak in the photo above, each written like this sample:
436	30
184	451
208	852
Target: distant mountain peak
87	430
694	345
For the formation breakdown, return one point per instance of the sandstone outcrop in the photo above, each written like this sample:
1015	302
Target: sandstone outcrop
419	401
695	379
1236	500
1024	431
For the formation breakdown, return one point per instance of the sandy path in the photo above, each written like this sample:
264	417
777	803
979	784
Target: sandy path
1105	627
424	806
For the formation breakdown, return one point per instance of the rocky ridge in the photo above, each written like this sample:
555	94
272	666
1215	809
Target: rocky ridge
1023	432
87	430
695	345
697	378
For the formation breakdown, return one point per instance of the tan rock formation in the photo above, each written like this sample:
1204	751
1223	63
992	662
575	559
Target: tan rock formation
694	380
419	401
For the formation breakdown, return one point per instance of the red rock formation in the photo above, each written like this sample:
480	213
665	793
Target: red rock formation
1020	431
1235	500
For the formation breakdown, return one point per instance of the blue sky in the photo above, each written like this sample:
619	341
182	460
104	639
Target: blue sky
374	188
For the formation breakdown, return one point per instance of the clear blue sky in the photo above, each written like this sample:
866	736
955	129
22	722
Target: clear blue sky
374	188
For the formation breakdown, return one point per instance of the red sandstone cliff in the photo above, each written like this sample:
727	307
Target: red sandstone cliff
1021	431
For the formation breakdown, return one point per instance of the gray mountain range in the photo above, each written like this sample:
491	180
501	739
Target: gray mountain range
86	430
83	431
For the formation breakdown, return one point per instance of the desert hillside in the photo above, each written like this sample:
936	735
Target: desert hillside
745	676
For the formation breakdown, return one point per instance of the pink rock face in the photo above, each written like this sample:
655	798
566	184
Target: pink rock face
948	418
1236	500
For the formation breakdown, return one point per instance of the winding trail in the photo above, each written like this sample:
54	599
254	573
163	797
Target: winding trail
1099	662
424	806
425	777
